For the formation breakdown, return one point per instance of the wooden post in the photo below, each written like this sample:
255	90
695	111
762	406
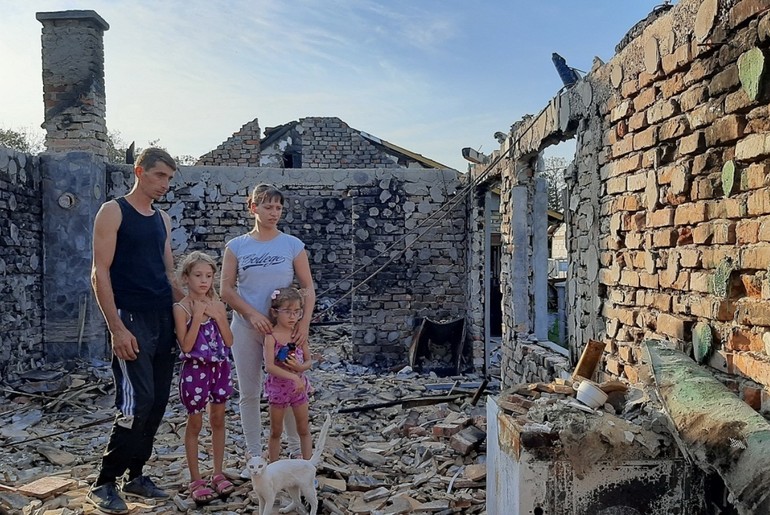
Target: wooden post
589	360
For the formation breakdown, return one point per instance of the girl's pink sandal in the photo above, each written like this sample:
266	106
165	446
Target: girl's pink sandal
201	493
222	486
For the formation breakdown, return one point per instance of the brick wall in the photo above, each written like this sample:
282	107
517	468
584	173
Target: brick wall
680	196
21	262
240	149
331	143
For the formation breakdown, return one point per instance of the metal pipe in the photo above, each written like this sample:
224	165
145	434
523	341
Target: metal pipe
720	432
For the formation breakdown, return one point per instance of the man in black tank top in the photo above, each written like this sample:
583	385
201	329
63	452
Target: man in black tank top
132	277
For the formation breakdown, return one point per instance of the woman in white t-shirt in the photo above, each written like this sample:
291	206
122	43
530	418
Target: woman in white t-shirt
255	264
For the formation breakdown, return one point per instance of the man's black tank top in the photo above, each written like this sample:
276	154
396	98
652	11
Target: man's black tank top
138	273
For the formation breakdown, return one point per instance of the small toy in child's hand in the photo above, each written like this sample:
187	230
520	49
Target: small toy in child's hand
286	351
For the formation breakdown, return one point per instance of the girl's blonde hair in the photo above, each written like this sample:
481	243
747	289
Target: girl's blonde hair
192	259
280	297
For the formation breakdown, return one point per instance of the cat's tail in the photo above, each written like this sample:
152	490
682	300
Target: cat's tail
315	459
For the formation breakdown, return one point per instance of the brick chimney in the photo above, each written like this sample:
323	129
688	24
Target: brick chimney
73	81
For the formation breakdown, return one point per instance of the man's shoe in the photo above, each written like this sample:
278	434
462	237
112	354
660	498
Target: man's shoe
142	486
107	499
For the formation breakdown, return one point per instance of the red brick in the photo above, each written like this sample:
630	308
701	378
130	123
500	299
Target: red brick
738	101
726	129
743	339
758	202
677	60
753	285
764	231
674	128
705	115
747	231
628	202
724	81
689	258
648	280
637	222
753	312
665	238
645	139
756	257
629	278
693	97
629	88
713	256
670	325
624	165
638	121
645	99
755	176
726	208
672	86
661	217
699	281
692	144
613	366
744	10
702	189
632	374
753	397
689	214
753	366
659	301
623	146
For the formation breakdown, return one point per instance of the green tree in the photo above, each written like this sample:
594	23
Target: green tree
23	139
553	171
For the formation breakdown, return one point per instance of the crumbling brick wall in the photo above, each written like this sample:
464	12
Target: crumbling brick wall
21	262
678	197
240	149
331	143
669	198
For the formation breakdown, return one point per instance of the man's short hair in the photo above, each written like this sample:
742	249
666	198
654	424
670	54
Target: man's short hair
150	157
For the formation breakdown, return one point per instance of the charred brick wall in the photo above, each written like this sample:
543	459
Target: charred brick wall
21	262
352	222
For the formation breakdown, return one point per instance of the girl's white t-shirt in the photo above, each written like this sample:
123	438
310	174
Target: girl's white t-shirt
263	267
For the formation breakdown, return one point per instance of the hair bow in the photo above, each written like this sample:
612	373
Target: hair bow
275	294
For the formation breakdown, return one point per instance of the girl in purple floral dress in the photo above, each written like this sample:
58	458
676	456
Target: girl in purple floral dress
204	335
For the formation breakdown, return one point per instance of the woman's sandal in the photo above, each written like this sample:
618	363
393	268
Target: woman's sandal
201	493
222	486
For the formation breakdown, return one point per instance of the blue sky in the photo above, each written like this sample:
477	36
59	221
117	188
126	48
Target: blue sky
432	76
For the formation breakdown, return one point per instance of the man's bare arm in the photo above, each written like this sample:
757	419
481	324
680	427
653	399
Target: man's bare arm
105	237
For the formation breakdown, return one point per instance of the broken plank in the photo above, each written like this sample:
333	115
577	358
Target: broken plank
589	359
45	487
408	402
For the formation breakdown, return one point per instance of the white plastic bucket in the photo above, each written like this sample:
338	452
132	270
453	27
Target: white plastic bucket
590	394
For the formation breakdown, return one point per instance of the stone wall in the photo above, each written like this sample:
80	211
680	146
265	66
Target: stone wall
352	222
21	262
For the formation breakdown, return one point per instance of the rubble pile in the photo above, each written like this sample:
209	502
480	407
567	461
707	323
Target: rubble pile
400	442
550	422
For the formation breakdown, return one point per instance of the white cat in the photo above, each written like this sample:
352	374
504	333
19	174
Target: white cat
296	476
